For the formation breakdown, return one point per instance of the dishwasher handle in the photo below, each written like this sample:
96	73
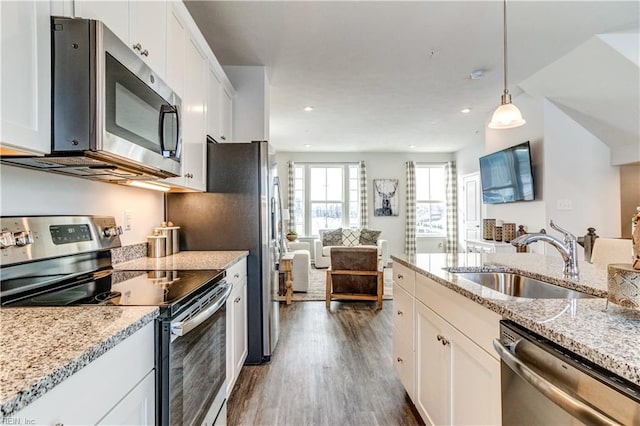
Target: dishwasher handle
573	406
183	327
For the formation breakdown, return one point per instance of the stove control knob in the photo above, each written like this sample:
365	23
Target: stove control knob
23	238
7	240
112	231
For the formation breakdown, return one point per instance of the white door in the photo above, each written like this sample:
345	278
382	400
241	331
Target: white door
472	206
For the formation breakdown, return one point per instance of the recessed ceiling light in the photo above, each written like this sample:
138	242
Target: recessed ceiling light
308	108
465	110
307	146
412	146
476	74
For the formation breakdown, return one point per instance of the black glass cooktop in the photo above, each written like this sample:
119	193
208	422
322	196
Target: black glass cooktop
164	288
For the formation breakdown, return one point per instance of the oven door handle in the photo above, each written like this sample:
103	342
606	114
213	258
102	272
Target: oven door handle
182	328
573	406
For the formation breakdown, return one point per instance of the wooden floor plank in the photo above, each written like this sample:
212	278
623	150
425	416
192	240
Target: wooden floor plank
329	368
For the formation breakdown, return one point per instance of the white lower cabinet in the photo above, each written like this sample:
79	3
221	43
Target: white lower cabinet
237	343
457	382
442	352
137	408
116	388
403	338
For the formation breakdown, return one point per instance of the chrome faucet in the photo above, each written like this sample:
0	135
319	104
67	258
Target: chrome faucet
568	247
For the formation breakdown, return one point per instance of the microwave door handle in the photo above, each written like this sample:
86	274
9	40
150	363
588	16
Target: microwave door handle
183	328
164	110
573	406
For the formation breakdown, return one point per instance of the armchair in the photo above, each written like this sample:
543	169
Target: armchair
355	274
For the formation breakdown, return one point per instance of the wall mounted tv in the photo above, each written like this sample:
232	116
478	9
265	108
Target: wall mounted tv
506	175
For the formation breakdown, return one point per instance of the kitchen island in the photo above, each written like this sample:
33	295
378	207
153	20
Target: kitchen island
606	336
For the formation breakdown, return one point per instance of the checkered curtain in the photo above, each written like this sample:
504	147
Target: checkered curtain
291	202
451	244
364	217
410	224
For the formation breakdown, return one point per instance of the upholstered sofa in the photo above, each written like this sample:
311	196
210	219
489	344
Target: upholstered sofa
350	238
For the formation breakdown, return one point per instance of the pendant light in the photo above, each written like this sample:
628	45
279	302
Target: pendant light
507	115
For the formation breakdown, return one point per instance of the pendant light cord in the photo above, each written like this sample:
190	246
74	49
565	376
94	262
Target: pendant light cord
504	32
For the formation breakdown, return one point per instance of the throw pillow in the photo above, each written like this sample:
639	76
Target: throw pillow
332	238
369	237
351	237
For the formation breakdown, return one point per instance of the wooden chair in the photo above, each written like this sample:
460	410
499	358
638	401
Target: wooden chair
355	274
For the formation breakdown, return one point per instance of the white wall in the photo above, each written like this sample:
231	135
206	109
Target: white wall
569	164
250	103
578	170
379	166
26	192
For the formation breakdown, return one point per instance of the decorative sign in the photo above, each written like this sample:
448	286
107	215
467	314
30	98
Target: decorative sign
385	197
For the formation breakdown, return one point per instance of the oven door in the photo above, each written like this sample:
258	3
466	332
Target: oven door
141	113
192	369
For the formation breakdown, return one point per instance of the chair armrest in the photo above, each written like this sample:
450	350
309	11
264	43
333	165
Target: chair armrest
317	250
383	246
298	246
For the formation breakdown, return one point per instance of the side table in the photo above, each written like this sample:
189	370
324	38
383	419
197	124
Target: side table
286	263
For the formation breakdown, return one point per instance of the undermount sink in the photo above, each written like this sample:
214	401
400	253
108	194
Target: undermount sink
520	286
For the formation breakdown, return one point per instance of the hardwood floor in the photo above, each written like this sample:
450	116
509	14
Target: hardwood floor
329	368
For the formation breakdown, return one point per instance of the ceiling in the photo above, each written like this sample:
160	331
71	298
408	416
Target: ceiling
392	76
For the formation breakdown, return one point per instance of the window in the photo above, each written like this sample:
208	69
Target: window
326	196
431	207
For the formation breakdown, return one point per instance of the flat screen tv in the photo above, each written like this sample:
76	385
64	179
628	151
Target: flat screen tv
506	175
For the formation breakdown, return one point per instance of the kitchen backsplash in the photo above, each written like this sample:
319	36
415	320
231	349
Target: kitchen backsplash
127	253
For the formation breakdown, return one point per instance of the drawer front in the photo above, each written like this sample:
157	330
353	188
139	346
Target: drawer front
404	364
403	308
404	277
478	323
237	272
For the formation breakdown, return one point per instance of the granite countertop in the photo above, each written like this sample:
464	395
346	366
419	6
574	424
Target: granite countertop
186	260
41	347
608	337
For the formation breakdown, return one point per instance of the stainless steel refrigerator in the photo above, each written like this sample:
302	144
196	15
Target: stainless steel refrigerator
241	210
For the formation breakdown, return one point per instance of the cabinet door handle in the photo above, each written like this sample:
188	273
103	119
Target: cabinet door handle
400	313
237	300
145	52
137	47
236	275
400	276
223	138
400	360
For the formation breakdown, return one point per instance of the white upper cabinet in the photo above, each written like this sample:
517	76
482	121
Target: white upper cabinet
194	146
148	28
176	35
226	115
114	14
140	24
25	77
214	90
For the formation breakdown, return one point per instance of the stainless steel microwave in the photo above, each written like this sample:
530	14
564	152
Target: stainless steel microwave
113	118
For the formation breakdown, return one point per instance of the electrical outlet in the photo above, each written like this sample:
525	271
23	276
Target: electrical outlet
128	218
565	204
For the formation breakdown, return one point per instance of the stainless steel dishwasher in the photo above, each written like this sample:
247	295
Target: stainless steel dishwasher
545	384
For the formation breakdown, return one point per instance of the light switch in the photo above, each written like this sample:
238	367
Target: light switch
128	219
565	204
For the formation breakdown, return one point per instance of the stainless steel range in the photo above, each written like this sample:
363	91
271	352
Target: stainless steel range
66	261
